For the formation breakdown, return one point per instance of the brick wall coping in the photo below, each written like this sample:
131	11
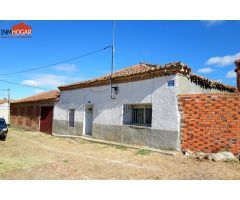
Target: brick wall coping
212	95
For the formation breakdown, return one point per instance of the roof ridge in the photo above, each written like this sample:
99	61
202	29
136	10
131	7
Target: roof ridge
115	74
142	71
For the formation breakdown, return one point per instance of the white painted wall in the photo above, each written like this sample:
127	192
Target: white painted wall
110	111
4	111
185	86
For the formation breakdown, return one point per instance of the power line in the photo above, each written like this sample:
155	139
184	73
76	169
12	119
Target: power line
60	62
25	85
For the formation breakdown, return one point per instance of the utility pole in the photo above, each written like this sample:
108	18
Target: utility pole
113	52
8	95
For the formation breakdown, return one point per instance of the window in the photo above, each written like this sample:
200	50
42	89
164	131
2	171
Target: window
137	114
71	117
2	122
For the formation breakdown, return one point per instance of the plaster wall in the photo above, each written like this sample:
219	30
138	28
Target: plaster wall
108	113
4	112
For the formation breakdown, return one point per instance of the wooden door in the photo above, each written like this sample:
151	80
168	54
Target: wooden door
46	119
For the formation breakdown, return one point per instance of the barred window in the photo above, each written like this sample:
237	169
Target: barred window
137	114
71	117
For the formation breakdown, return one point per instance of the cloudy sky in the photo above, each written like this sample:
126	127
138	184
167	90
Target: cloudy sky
208	47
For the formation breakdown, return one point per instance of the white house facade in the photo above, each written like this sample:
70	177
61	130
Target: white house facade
143	109
4	110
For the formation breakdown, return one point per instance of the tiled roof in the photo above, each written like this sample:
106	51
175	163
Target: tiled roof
143	71
2	101
206	83
131	73
50	96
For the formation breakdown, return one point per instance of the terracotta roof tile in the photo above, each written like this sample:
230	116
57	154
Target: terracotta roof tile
206	83
2	101
50	96
132	71
143	71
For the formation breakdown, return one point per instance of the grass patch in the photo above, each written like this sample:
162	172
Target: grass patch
65	161
121	147
82	141
232	161
14	163
143	152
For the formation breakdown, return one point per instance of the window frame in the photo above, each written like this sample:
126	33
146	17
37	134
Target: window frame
71	123
140	118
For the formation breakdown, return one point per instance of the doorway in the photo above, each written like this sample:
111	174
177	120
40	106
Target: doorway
46	119
88	120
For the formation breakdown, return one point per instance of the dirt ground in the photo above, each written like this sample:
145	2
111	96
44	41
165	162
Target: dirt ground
33	155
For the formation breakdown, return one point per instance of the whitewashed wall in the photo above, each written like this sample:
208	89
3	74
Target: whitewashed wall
110	111
4	111
185	86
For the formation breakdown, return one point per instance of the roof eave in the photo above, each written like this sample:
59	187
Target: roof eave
37	101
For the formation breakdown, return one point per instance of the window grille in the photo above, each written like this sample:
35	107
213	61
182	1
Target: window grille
137	114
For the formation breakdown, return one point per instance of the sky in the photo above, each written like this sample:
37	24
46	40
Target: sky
208	47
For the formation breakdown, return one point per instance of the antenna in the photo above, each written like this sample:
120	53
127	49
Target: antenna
113	52
113	47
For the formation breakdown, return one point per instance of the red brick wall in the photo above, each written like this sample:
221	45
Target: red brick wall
210	122
25	116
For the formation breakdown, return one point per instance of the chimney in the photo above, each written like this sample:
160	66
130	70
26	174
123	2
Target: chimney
237	70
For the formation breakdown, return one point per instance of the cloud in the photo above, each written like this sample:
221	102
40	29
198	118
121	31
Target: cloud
223	61
206	70
46	80
49	80
66	67
37	91
231	74
31	83
210	23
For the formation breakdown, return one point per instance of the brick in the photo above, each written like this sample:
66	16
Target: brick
210	122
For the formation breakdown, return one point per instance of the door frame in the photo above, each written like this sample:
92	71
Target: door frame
87	106
40	115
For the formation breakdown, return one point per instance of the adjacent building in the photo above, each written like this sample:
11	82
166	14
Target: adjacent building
4	110
135	105
34	112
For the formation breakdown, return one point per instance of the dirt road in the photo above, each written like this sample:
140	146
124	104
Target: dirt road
33	155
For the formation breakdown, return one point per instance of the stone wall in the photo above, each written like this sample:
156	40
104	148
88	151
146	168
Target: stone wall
210	122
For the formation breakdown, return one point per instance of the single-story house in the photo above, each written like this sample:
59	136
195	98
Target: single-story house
34	112
140	108
4	109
